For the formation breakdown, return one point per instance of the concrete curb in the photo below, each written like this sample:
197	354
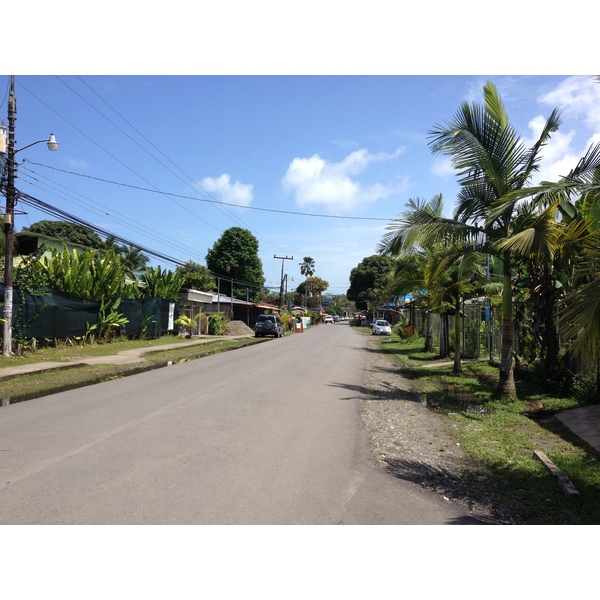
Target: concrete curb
564	482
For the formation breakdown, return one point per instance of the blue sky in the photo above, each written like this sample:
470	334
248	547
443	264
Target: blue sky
185	157
302	122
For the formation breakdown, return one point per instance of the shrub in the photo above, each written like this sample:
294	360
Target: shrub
217	324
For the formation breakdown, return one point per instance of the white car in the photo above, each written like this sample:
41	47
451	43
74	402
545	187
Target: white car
328	319
382	327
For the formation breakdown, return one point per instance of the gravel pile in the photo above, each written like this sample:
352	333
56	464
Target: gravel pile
239	328
414	443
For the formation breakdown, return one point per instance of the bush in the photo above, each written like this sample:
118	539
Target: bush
556	374
217	324
585	389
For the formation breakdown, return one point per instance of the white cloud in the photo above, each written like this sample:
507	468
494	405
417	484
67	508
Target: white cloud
78	163
577	96
224	190
317	182
558	157
578	102
442	167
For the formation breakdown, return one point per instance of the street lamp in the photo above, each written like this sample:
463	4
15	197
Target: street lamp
7	145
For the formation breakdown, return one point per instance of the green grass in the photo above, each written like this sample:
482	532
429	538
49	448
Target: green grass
500	439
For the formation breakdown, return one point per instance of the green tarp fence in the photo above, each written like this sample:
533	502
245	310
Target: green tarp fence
58	315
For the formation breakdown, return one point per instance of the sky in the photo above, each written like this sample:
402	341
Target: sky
313	165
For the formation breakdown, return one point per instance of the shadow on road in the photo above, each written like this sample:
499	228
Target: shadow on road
386	392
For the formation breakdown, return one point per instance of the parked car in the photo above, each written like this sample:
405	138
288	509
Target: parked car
328	319
382	327
335	319
268	325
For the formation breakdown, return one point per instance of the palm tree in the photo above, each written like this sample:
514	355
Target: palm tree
444	272
134	260
414	257
578	239
494	169
408	277
307	267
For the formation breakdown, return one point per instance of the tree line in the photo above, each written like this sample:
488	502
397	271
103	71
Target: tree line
534	250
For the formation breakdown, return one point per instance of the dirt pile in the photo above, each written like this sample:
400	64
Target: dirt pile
239	328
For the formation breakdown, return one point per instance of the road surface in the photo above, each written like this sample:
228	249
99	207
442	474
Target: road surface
268	434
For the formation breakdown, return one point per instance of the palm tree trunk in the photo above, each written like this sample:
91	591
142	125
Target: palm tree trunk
457	368
444	336
428	332
506	383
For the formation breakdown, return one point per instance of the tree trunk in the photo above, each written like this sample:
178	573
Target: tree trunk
428	332
506	383
457	368
444	336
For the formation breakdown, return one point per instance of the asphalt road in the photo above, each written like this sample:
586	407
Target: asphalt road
268	434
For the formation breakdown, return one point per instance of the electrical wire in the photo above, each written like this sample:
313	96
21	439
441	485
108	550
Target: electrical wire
25	174
63	215
271	210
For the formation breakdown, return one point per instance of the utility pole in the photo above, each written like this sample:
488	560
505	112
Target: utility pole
9	215
286	257
9	228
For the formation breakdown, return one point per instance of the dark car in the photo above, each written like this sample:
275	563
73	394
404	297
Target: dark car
268	325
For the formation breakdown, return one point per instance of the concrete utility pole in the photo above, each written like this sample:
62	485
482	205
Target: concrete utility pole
281	285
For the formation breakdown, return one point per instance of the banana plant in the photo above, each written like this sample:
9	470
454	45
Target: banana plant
161	283
107	322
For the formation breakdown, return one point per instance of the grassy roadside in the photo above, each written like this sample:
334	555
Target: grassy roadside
500	437
24	387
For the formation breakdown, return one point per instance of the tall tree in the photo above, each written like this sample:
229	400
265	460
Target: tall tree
492	162
234	256
197	277
312	287
369	280
67	232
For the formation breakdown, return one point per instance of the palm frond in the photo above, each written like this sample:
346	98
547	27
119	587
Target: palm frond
580	321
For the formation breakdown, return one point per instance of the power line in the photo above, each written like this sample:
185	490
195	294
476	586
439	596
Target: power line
57	212
112	155
155	191
97	208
